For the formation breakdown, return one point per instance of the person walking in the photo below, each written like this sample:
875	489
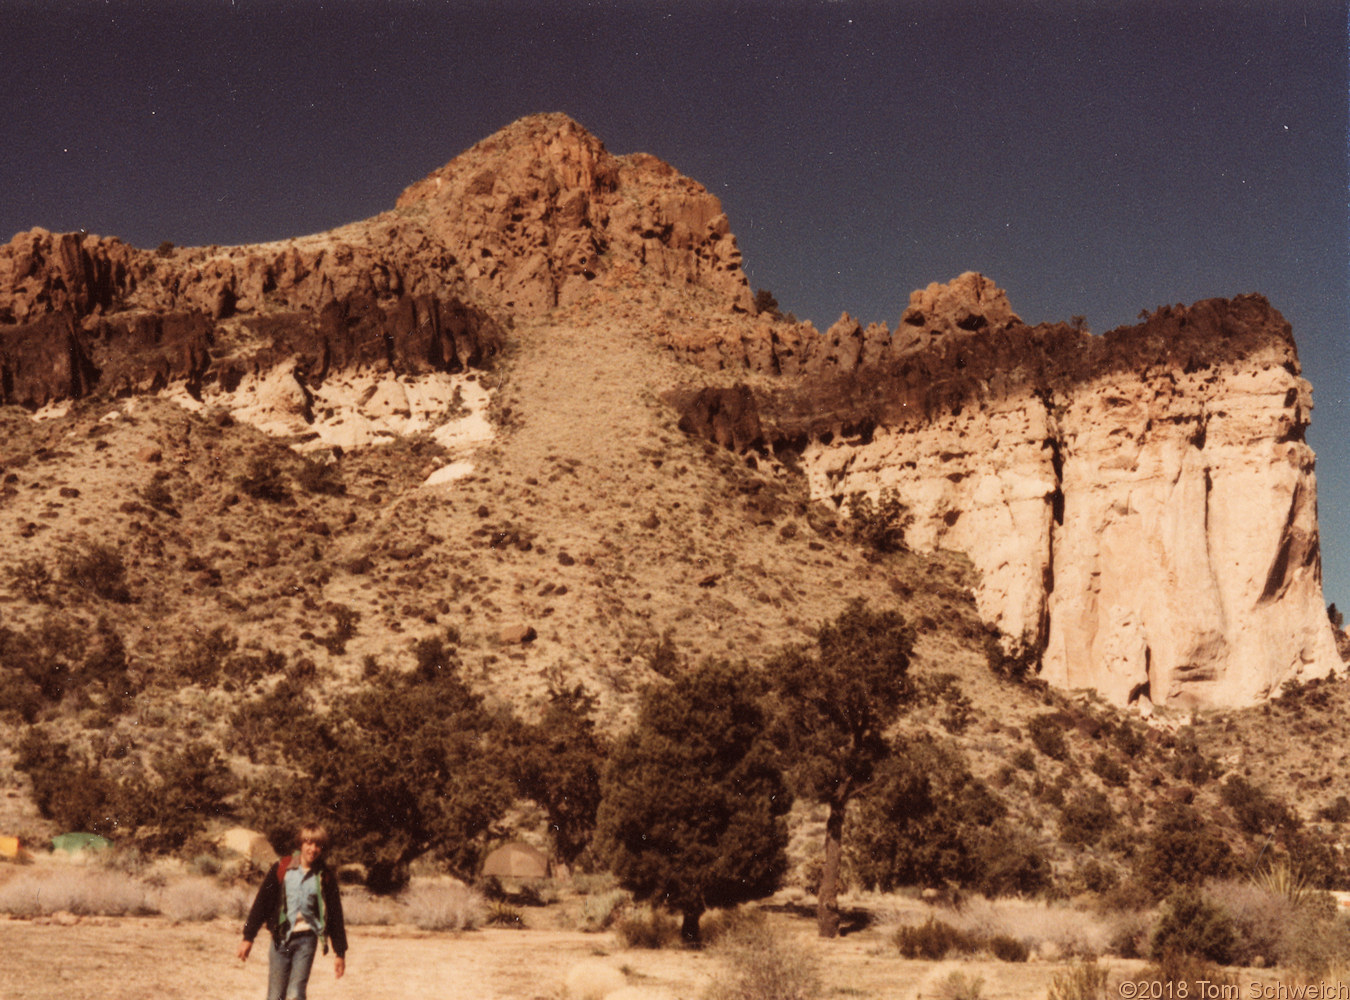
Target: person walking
302	908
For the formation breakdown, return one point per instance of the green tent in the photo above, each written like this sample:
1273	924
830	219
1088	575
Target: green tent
74	842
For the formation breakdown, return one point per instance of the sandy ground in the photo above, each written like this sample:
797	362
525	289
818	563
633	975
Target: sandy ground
155	959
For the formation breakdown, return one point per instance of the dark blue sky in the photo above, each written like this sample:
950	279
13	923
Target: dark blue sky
1093	158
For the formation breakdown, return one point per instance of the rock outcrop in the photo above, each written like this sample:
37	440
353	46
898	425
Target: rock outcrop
541	210
1141	505
536	216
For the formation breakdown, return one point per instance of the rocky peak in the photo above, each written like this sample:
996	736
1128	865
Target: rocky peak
968	303
541	212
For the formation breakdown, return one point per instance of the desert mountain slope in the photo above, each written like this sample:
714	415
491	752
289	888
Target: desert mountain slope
1139	508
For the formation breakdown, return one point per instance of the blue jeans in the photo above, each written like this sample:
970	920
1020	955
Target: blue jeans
288	967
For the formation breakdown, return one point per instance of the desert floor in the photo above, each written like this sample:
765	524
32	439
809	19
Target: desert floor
156	959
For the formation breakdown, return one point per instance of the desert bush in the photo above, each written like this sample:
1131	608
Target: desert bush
879	523
324	478
1180	850
1337	812
647	927
361	908
1255	810
1110	770
1047	734
1085	817
593	980
1080	981
933	940
97	569
1019	661
1189	763
501	914
943	689
448	906
1007	948
263	480
1316	943
1129	739
600	911
757	964
959	985
67	789
1057	930
78	890
721	924
1260	919
31	579
200	899
1191	925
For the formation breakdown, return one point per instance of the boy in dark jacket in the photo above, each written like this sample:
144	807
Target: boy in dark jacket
300	904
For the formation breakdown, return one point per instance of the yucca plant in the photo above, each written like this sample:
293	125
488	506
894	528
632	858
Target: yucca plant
1279	878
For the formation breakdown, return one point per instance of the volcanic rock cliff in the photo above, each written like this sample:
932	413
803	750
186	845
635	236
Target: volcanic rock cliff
1141	506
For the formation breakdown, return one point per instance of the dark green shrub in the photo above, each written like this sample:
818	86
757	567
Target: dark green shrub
1182	849
1020	662
933	940
1110	770
31	579
1255	811
879	524
1047	735
264	480
97	569
1085	817
1190	925
1130	740
67	789
1337	812
943	690
320	477
1009	949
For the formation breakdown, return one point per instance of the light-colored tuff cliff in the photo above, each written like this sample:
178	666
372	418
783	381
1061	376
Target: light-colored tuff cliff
1142	506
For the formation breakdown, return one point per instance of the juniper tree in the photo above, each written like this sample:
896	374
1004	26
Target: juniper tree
693	803
835	703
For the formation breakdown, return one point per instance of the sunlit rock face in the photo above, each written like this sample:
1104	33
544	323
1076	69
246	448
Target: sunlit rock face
1142	505
540	212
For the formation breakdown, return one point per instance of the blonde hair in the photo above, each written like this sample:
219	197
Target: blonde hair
314	832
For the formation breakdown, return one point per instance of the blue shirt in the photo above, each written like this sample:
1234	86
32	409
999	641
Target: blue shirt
302	898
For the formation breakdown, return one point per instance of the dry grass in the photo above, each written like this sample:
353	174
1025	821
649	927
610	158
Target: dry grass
443	906
77	890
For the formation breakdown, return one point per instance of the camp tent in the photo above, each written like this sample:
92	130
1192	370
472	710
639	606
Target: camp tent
250	843
9	847
516	860
74	843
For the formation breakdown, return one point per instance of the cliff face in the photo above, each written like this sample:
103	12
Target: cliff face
533	217
1141	505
